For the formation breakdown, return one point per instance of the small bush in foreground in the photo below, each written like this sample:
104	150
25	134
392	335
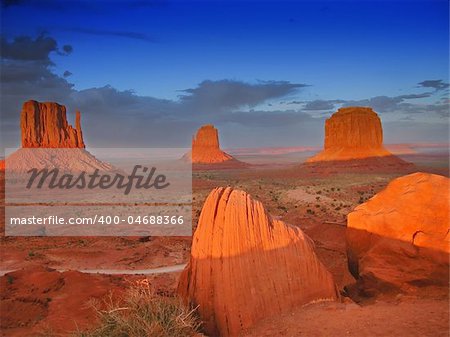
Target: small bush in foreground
140	314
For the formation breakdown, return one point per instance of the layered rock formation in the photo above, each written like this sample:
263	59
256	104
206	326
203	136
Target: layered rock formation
400	237
205	147
246	266
45	125
352	133
49	141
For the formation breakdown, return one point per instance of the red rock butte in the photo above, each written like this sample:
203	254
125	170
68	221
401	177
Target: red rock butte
44	125
352	133
246	266
205	147
401	235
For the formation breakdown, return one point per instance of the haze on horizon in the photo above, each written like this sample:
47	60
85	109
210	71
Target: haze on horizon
265	73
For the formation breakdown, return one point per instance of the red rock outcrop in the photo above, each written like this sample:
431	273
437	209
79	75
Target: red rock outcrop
246	266
352	133
400	237
205	147
45	125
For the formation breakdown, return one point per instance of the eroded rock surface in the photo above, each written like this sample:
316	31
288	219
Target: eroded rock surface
44	125
400	238
206	148
352	133
246	266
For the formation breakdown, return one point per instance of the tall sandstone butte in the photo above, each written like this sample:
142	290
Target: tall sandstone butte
45	125
246	266
352	133
205	147
401	236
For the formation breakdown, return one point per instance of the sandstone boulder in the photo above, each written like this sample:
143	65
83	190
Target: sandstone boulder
45	125
205	147
400	238
352	133
246	266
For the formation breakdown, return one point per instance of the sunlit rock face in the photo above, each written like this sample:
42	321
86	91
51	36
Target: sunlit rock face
352	133
400	238
205	147
44	125
246	266
49	141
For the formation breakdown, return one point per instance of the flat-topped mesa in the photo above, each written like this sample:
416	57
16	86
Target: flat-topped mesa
44	125
352	133
205	147
246	266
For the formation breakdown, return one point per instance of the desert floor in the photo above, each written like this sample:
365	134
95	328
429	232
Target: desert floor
39	298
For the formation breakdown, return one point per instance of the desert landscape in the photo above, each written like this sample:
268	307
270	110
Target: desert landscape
313	248
224	168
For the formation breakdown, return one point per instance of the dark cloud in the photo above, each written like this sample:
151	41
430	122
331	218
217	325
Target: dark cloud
25	48
54	5
378	103
434	84
390	103
127	119
67	49
439	108
121	118
9	3
266	119
415	96
321	105
114	33
227	94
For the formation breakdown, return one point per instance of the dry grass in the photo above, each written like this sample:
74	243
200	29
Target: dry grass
141	313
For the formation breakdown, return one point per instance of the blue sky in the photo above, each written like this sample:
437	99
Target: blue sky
141	55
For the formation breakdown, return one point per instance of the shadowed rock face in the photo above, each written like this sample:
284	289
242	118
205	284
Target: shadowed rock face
45	125
400	237
205	147
352	133
246	266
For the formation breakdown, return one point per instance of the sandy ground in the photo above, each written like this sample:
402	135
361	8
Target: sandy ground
317	202
406	317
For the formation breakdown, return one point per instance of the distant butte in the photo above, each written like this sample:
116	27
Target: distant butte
49	141
352	133
205	147
44	125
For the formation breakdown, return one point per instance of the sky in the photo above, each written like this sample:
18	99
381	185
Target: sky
266	73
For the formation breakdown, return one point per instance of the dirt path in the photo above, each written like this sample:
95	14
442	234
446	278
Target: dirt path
152	271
